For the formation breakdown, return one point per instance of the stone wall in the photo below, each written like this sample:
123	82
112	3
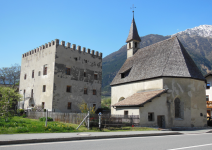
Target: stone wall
79	62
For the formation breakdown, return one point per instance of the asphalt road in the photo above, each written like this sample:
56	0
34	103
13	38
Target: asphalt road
171	142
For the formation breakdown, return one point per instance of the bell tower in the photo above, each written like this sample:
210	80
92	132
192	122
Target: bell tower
133	39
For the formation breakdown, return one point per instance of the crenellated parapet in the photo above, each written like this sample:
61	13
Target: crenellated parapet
67	45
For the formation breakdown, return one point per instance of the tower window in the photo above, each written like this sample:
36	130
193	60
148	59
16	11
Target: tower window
68	71
43	105
84	74
68	89
135	44
94	106
85	91
25	76
32	93
45	70
32	73
69	105
94	92
129	45
95	76
44	88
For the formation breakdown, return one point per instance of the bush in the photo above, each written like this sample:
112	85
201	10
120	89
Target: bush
21	111
44	119
24	115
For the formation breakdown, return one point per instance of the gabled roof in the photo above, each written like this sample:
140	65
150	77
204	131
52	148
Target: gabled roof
167	58
140	98
133	34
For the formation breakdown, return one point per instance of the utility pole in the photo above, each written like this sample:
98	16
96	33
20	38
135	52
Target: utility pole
46	117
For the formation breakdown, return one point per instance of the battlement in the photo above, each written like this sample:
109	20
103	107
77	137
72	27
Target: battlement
68	45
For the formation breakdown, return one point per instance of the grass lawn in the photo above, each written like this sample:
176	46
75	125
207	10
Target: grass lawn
25	125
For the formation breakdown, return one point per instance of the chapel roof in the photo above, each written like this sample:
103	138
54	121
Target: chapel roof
133	34
167	58
140	98
208	74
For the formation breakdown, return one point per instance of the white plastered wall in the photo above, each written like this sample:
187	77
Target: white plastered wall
126	90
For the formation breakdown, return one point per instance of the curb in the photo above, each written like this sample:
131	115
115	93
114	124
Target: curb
82	138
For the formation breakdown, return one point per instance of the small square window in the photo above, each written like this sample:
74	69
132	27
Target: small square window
95	76
207	97
94	92
68	71
150	116
85	61
69	105
75	58
68	89
44	88
85	91
208	86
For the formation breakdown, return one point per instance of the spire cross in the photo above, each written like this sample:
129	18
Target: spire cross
132	9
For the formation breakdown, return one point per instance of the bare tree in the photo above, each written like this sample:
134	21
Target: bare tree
3	75
10	75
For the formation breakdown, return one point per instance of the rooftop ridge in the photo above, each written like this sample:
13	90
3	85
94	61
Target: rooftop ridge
68	45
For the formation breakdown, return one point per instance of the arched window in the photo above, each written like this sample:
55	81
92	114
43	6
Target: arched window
135	44
122	98
129	45
177	108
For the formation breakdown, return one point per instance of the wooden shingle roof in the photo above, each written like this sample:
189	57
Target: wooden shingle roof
167	58
133	34
140	98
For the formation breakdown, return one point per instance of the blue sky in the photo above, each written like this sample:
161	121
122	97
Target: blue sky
96	24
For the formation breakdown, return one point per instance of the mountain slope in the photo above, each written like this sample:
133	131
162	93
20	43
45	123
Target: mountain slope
202	30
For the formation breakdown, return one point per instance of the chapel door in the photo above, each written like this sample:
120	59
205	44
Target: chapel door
161	121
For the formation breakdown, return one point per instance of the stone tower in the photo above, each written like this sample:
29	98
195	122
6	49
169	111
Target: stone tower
133	40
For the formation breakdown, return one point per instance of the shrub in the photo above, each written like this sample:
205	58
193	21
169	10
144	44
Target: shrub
44	119
21	111
24	115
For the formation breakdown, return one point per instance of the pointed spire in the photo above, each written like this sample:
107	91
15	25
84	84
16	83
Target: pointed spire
133	34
